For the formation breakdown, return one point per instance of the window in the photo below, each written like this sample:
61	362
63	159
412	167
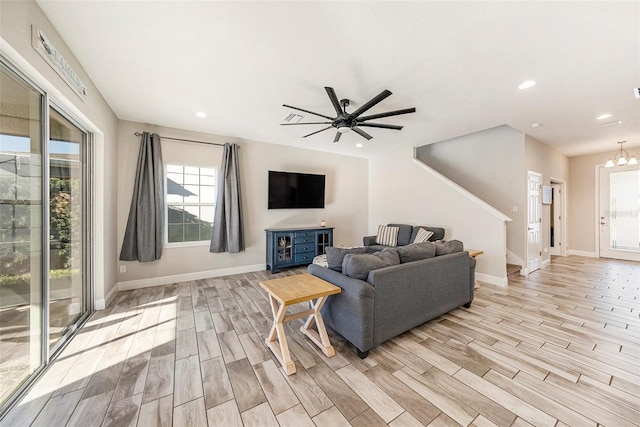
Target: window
191	198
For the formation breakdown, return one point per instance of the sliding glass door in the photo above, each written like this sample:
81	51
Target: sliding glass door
21	232
67	228
44	204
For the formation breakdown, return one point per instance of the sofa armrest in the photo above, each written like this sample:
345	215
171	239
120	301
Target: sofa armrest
369	240
349	313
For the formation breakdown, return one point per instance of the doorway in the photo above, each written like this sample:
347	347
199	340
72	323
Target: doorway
557	221
619	206
534	221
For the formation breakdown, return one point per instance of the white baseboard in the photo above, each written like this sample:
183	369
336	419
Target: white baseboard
101	304
545	263
588	254
492	280
167	280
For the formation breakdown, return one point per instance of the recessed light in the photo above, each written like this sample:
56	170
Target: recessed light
527	84
617	122
604	116
201	114
359	145
535	125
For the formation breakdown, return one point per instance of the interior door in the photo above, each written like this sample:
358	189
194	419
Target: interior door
534	221
619	205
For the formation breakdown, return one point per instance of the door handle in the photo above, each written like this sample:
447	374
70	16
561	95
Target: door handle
603	223
530	228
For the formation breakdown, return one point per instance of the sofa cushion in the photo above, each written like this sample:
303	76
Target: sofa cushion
438	233
335	256
422	236
387	235
416	252
452	246
358	266
404	233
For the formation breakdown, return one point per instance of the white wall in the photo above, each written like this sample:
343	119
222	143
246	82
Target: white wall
16	19
490	165
346	205
582	200
400	191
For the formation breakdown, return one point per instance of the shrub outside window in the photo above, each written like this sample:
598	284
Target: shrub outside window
191	197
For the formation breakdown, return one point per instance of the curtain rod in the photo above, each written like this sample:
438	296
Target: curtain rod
187	140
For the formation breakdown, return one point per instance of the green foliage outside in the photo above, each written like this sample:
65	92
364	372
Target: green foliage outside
16	221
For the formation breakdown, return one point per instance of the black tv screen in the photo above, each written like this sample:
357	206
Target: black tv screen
289	190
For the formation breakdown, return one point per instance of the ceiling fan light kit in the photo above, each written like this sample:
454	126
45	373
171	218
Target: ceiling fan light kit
345	122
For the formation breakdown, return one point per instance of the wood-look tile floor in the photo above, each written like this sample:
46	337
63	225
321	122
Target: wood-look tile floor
560	347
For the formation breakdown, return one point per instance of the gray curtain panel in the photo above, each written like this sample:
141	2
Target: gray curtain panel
228	227
144	235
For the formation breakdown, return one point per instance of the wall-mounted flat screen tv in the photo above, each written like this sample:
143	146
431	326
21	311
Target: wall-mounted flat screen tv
290	190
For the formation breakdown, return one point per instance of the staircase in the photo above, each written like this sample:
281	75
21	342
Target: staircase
513	271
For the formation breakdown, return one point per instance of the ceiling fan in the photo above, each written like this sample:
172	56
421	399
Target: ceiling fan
345	122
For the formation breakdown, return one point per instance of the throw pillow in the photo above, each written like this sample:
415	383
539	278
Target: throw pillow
387	236
404	233
438	232
449	247
358	266
335	256
416	251
423	236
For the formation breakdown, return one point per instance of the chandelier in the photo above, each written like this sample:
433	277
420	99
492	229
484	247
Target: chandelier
621	158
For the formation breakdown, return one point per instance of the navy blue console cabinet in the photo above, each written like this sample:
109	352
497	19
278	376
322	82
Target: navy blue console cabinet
288	247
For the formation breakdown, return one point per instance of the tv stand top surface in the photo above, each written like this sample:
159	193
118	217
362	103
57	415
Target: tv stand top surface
299	228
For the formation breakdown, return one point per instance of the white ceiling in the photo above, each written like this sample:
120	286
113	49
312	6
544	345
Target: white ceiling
458	63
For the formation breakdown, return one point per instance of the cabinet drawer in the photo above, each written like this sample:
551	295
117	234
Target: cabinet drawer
305	257
304	248
305	239
305	233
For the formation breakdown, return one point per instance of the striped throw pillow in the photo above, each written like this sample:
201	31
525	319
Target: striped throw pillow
387	236
423	236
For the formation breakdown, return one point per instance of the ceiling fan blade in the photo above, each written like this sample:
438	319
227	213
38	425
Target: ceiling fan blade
307	111
337	138
373	101
307	123
361	133
387	114
334	101
318	131
380	125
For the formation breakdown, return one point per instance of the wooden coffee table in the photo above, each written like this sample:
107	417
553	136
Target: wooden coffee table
289	290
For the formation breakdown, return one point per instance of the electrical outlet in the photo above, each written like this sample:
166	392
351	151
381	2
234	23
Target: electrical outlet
123	269
514	209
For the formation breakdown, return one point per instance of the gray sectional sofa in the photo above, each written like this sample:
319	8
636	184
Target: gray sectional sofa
382	303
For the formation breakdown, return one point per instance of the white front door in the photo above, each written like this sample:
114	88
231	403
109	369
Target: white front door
619	219
534	221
